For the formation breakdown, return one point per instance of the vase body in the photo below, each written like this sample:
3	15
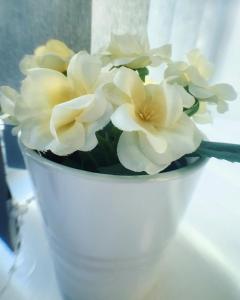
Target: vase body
107	233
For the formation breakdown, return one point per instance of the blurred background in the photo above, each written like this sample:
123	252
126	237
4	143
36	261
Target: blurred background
211	25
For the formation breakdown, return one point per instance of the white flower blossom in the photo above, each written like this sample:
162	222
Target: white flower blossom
54	55
195	76
133	52
62	113
217	94
156	131
8	99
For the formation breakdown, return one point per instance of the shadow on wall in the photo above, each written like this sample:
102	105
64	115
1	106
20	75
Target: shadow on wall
26	24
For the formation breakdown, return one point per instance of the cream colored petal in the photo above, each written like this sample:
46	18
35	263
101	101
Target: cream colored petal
222	107
200	92
106	76
130	83
131	156
68	114
65	127
95	110
173	103
156	157
59	48
127	44
182	139
52	61
8	98
134	62
124	119
224	91
40	50
75	122
90	142
84	71
175	72
157	142
91	129
187	99
114	95
193	76
60	149
160	55
155	104
203	116
204	67
71	137
28	62
44	88
35	133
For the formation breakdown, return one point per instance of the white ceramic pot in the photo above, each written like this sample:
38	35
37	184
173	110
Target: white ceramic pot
106	232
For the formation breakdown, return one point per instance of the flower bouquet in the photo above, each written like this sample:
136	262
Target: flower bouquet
114	155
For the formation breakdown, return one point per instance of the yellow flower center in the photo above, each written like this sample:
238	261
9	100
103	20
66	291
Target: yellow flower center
151	114
146	116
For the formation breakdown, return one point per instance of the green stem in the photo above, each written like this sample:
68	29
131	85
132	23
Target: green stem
226	151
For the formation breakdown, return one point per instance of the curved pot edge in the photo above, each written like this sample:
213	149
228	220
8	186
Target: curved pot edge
166	176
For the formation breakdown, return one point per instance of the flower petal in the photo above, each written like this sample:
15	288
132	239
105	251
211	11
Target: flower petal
160	55
202	116
35	133
52	61
131	156
200	92
194	77
130	83
65	123
114	95
134	62
173	103
204	67
187	99
84	70
175	73
28	62
44	88
224	91
91	129
127	44
182	139
222	106
124	118
60	48
95	110
8	98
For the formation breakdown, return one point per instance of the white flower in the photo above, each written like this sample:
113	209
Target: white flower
156	131
203	115
216	94
197	71
133	52
200	63
60	113
8	99
195	75
54	55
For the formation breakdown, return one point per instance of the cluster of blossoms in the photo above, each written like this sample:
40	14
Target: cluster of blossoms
66	98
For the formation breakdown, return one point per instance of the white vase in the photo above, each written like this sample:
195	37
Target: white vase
106	232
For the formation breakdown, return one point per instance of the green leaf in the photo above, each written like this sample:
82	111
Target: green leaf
193	109
226	151
142	72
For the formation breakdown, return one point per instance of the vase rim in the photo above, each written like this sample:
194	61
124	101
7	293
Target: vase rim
165	176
